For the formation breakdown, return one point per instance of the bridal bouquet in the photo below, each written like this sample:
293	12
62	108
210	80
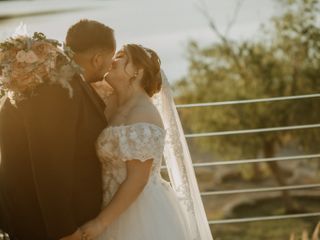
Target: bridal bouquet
27	62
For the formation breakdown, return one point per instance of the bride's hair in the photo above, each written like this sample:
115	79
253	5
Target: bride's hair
150	62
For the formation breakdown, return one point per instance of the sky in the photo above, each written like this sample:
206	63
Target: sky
163	25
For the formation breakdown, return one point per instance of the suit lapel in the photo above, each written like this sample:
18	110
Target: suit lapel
95	99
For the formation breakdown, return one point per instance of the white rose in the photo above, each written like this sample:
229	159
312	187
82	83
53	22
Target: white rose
28	57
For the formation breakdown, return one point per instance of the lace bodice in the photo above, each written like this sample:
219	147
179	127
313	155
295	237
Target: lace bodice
118	144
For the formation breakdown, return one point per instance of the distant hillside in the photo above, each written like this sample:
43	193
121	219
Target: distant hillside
12	9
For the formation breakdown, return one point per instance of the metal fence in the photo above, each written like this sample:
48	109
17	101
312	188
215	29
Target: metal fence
259	160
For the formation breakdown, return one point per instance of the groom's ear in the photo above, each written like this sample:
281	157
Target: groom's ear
97	60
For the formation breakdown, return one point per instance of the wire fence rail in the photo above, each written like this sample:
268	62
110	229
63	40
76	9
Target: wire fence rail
257	190
261	100
254	160
258	160
247	131
264	218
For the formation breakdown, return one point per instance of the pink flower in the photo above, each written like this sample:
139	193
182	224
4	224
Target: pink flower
43	49
31	57
22	82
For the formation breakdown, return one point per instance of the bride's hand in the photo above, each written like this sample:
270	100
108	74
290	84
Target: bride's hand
92	229
75	236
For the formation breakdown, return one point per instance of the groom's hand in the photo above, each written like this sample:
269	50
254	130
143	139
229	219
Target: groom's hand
77	235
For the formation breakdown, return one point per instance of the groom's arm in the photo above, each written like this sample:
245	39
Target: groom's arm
51	118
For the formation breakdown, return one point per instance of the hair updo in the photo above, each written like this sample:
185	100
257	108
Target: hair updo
147	59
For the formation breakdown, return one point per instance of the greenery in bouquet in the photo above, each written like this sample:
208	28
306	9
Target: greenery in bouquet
27	62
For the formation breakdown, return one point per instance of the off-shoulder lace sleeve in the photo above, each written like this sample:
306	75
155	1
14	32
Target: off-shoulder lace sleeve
141	141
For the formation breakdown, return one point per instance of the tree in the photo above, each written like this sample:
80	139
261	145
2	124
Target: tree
284	61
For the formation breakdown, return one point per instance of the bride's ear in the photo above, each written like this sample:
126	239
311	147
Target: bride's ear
140	73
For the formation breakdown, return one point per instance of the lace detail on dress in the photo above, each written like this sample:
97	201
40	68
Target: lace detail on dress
140	141
118	144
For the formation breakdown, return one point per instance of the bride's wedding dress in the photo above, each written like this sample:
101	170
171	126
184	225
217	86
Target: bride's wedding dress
156	214
162	211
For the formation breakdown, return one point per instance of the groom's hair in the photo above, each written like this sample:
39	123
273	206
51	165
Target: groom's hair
88	35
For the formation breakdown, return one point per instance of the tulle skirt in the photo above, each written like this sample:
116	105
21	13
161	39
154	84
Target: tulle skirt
155	215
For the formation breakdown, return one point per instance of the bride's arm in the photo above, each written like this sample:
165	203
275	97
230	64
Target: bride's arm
137	177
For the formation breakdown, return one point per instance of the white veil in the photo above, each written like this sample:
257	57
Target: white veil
179	165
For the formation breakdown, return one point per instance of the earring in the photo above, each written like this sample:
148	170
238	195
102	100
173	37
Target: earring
135	75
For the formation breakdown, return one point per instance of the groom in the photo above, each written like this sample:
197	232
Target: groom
50	178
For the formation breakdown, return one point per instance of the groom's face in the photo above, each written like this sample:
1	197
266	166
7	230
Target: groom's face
101	62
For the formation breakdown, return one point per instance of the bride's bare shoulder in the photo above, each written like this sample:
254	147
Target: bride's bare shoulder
146	113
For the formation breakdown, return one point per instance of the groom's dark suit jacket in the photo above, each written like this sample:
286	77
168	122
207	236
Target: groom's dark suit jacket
50	177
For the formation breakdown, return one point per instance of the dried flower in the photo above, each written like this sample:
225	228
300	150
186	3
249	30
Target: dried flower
26	62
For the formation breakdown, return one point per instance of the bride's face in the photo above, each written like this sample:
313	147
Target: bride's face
121	70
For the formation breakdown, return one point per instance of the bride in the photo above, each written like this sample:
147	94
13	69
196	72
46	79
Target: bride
143	127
